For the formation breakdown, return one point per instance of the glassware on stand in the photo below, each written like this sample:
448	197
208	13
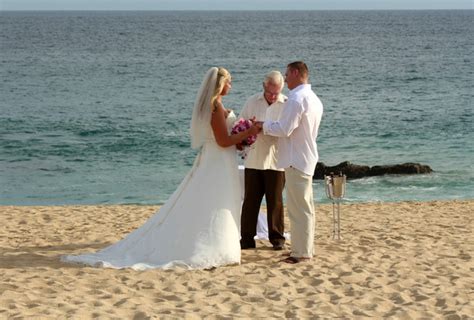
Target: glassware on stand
336	190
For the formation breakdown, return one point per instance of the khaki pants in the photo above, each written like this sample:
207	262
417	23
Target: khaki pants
299	194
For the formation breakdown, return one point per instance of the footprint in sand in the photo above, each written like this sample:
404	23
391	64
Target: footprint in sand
98	304
335	298
357	269
171	297
397	298
78	302
335	281
441	303
120	302
360	313
451	315
316	282
290	315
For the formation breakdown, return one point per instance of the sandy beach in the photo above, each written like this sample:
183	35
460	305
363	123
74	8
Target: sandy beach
405	260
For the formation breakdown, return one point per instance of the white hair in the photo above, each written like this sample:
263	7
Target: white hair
274	77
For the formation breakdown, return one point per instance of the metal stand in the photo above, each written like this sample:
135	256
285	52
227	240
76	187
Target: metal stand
335	190
336	221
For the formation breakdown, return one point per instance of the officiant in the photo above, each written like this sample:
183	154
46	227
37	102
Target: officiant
262	176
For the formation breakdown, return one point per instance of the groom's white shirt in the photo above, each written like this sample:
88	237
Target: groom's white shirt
298	129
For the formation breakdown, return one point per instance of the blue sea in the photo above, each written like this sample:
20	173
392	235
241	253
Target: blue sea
95	106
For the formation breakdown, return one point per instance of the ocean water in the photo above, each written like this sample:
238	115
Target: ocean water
95	106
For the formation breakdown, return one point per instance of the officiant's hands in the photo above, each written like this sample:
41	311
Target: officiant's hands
258	124
256	127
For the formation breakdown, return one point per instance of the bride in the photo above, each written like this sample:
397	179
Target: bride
198	227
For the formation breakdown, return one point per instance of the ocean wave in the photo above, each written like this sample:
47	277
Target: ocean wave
57	169
418	188
96	132
415	79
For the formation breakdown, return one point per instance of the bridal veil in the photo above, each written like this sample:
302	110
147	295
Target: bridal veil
200	128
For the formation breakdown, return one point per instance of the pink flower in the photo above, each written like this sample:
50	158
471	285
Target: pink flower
242	125
239	126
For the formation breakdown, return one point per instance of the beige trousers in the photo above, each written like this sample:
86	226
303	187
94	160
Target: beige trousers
300	205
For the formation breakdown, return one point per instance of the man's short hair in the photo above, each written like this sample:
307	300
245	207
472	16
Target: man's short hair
301	67
274	77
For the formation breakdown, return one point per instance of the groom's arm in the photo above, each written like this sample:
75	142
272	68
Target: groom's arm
288	121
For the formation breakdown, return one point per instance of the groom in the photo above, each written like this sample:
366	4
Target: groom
297	128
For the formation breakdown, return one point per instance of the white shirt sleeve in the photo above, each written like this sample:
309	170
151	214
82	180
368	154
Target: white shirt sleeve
289	120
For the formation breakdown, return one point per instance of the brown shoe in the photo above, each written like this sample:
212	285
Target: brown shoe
294	260
278	247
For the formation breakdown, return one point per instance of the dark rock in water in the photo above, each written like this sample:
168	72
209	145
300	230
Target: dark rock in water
404	168
354	171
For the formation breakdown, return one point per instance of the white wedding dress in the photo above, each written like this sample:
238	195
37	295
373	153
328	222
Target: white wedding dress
197	228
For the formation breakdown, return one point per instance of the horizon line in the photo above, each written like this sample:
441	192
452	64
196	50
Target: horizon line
194	10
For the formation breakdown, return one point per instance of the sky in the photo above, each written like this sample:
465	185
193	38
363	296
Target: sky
234	4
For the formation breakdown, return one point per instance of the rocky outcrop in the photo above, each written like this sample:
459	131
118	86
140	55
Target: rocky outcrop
404	168
355	171
352	171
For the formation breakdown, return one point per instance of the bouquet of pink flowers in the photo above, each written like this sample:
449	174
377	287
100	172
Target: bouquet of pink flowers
239	126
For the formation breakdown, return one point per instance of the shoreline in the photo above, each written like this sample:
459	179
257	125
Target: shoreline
325	201
404	259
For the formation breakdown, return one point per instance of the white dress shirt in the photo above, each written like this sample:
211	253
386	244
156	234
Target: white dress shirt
297	128
263	154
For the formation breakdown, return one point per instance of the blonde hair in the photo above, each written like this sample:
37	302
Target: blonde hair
274	77
222	76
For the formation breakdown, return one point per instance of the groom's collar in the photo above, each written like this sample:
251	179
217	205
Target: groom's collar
302	86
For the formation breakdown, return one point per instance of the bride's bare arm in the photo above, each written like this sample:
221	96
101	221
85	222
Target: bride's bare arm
219	127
